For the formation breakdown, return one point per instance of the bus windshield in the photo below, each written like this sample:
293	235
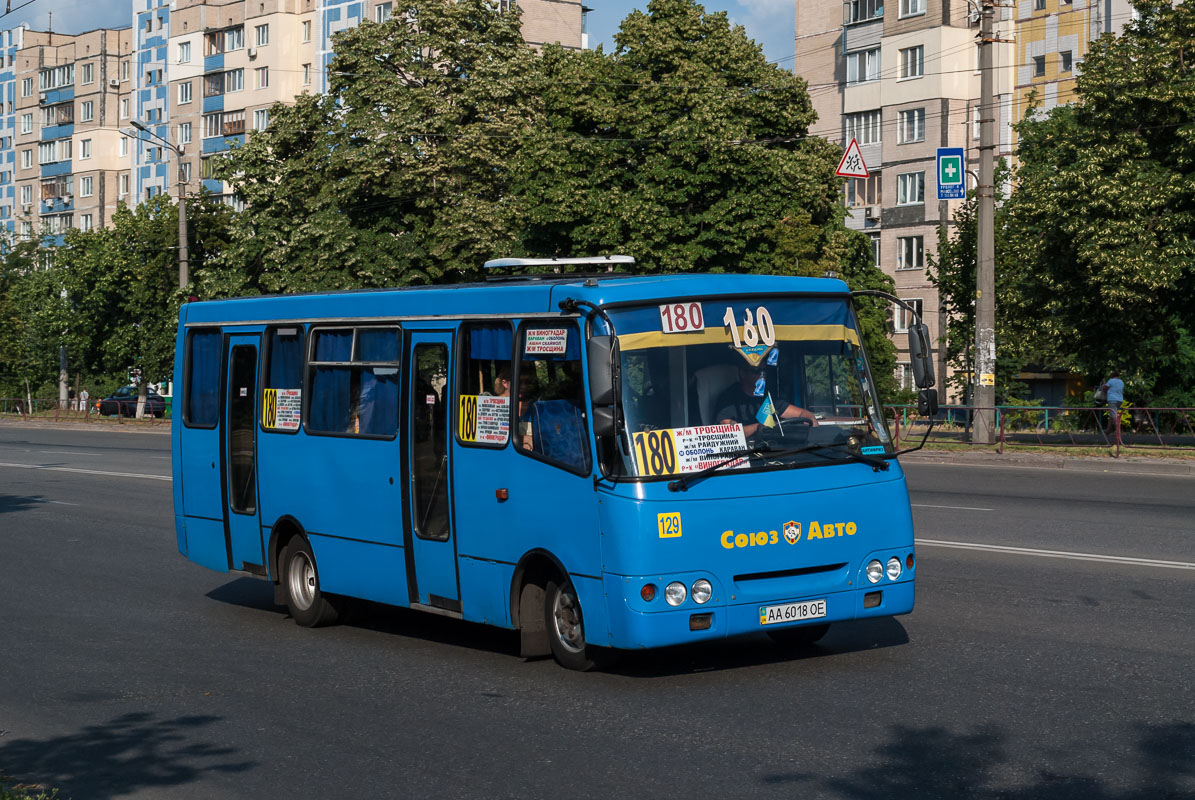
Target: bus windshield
779	382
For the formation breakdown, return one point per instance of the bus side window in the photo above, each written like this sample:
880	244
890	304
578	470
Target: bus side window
353	381
485	383
282	388
201	387
551	412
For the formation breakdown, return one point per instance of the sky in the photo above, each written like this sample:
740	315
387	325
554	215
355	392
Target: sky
769	22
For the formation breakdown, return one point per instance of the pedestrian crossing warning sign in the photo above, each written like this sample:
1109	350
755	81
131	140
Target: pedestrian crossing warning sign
852	165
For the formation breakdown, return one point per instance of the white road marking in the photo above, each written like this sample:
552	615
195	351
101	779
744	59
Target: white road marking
55	502
1029	551
955	508
91	472
67	452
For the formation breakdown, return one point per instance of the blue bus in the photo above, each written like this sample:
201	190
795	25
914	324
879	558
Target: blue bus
597	460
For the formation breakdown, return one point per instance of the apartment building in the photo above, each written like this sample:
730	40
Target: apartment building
64	148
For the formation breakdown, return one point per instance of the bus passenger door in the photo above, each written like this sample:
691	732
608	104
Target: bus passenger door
240	454
428	535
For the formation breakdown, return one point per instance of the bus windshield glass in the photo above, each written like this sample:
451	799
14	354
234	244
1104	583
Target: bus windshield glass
760	383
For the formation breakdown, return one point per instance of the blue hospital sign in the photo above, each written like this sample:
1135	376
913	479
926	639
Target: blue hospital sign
952	183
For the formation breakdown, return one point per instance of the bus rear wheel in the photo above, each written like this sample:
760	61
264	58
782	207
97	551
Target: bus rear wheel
307	603
801	636
566	629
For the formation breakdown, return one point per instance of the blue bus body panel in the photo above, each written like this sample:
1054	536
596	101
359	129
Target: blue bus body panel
733	533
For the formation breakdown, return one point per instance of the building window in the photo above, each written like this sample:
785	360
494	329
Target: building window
26	159
27	230
184	93
306	74
263	77
27	123
863	127
26	87
26	194
912	62
1039	5
1039	66
1067	62
261	119
234	80
909	8
87	110
911	126
184	133
307	30
123	184
904	375
87	73
234	39
85	186
863	66
184	52
149	24
903	319
85	222
382	12
861	10
207	168
910	188
124	146
864	191
975	122
910	253
262	33
186	170
875	249
124	108
84	149
124	70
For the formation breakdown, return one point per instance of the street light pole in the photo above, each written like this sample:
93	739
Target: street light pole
184	259
984	375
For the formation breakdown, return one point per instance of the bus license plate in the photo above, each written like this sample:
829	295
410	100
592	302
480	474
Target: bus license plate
791	612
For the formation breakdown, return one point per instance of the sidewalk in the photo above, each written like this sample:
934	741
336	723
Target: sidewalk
100	424
1138	464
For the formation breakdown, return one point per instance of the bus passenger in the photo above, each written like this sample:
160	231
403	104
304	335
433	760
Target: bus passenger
738	403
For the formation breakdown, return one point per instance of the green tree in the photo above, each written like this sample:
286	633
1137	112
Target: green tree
29	335
1101	226
398	174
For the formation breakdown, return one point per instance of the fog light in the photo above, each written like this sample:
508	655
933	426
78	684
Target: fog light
893	568
700	622
875	571
675	593
648	592
873	599
702	590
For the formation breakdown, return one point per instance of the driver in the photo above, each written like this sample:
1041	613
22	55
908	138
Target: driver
739	403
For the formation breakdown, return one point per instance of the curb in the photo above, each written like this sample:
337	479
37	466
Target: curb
1135	464
97	425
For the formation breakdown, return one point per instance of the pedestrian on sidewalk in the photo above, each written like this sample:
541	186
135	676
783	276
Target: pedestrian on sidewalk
1114	386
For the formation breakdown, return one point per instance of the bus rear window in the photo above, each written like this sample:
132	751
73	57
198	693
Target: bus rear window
353	381
201	391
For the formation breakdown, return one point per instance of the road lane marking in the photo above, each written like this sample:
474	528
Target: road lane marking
91	471
953	508
67	453
1029	551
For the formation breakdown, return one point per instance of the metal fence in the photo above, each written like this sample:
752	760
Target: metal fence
1140	429
53	410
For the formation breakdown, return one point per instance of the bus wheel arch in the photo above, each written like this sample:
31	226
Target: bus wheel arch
528	586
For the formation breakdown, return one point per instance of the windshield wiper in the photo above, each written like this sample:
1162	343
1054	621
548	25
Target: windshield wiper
878	464
682	483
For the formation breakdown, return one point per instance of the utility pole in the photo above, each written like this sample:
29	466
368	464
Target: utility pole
184	253
984	374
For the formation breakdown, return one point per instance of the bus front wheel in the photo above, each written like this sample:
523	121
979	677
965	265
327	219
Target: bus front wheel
566	629
308	605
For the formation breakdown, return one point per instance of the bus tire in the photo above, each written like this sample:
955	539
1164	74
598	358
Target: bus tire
801	636
308	605
566	629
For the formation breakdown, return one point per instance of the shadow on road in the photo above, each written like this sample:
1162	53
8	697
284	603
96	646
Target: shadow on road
114	759
10	503
933	762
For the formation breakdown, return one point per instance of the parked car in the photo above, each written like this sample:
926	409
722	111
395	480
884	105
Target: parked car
124	402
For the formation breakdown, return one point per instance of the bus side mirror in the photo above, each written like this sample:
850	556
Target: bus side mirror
921	355
602	354
927	402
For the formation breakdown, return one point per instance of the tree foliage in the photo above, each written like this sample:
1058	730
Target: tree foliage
1100	241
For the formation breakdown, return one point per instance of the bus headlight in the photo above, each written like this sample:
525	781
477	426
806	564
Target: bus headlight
893	568
875	571
702	590
675	593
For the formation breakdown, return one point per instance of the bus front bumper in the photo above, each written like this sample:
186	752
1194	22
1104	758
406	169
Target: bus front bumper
634	629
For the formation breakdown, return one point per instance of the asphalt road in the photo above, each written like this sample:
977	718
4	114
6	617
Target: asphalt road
1060	668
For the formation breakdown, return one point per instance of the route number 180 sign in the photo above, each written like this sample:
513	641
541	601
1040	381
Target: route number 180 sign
681	318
